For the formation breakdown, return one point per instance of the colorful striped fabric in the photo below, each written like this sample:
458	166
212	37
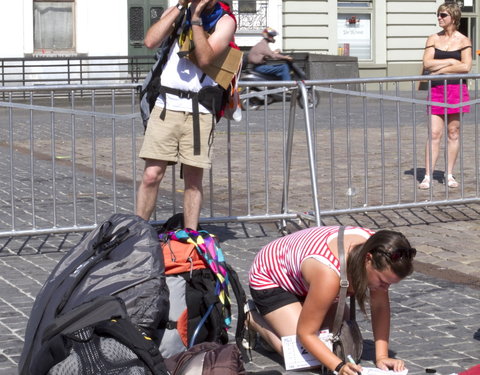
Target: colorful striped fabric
208	248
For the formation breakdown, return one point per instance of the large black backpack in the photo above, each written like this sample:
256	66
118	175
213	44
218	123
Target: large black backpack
120	258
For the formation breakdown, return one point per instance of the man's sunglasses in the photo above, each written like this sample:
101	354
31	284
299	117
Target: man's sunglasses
397	254
442	15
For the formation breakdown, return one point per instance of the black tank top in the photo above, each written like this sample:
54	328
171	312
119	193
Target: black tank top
440	55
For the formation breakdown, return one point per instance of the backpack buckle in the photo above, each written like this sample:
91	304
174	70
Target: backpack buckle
186	94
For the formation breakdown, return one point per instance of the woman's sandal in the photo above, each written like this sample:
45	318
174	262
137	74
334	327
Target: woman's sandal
451	182
425	184
265	345
249	335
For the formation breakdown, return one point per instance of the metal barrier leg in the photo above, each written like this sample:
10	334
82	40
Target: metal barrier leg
288	156
311	154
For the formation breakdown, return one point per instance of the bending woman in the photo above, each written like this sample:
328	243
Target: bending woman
295	282
446	52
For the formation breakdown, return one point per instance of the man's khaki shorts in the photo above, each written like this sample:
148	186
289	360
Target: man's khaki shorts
171	139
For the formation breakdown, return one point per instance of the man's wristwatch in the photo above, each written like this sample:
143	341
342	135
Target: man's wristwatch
197	22
179	6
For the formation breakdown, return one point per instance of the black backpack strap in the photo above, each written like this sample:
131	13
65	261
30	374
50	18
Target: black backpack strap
151	86
196	126
132	337
54	346
195	111
123	330
53	351
173	223
87	314
241	298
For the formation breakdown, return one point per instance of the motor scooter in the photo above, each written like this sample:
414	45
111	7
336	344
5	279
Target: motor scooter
273	96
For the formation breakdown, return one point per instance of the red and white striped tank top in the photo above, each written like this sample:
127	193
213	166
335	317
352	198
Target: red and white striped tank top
278	264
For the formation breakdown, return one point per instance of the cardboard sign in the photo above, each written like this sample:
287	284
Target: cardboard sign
223	68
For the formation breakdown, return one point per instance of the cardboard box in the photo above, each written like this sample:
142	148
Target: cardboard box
223	68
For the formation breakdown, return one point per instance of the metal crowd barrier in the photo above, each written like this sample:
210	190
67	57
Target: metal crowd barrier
70	154
47	70
370	145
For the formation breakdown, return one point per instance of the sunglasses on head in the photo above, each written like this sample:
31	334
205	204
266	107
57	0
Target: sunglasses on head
397	254
442	15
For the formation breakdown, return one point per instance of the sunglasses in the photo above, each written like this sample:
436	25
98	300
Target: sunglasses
442	15
397	254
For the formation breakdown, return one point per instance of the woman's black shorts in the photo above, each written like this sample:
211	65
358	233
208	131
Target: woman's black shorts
268	300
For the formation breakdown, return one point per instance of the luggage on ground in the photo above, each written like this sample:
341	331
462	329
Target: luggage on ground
199	281
120	258
207	358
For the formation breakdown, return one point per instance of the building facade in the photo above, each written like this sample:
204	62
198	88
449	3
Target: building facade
387	36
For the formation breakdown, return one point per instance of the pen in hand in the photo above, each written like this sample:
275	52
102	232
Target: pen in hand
350	359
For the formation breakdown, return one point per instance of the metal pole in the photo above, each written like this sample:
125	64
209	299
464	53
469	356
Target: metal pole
288	152
311	155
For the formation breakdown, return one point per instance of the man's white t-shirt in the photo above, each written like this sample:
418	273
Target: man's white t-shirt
181	73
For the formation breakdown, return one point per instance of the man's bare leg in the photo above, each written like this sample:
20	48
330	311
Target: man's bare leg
148	188
193	195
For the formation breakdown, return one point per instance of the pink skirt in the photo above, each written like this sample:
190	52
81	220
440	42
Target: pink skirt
437	94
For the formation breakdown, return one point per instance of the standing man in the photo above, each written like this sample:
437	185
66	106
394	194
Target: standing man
261	52
180	129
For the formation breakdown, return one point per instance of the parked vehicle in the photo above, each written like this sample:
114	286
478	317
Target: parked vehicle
255	102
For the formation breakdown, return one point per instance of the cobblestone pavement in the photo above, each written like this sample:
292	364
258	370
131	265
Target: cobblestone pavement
435	322
435	313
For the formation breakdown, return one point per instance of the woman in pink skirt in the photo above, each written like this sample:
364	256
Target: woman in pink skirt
446	52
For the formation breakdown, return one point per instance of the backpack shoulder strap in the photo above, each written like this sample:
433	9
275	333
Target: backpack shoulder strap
151	85
227	10
241	299
132	337
90	313
174	222
224	9
163	50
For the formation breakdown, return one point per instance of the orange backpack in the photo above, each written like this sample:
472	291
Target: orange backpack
181	257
